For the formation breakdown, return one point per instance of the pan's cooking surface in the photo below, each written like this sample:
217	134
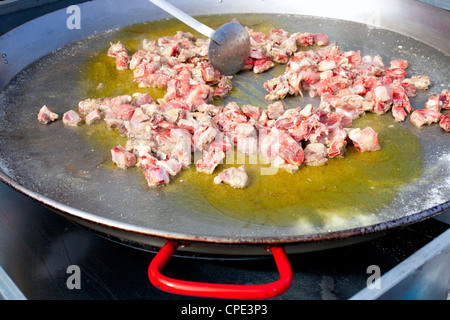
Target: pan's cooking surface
72	165
358	185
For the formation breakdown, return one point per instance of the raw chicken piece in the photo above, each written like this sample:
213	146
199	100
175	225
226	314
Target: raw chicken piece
208	72
257	54
381	97
156	176
364	140
116	48
422	117
122	61
410	89
315	154
337	148
182	146
121	112
209	109
232	111
334	120
123	158
445	99
89	105
275	110
305	38
72	118
301	132
420	82
350	106
279	143
278	35
203	136
248	146
399	113
338	142
140	99
399	63
401	104
332	85
209	161
434	103
383	93
118	51
93	117
279	54
147	161
46	116
234	177
199	94
290	45
172	166
248	64
245	130
140	145
289	120
326	65
396	73
251	111
261	65
278	88
320	39
108	103
139	120
445	122
220	144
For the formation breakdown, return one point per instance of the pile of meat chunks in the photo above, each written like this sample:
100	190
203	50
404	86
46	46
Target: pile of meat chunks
184	128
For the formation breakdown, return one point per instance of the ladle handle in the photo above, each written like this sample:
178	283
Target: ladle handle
215	290
183	17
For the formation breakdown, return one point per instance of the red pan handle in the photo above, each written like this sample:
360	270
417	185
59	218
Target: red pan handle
223	291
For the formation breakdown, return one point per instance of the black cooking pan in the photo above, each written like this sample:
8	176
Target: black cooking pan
70	171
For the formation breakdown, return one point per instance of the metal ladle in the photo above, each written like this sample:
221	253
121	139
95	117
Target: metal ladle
229	47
